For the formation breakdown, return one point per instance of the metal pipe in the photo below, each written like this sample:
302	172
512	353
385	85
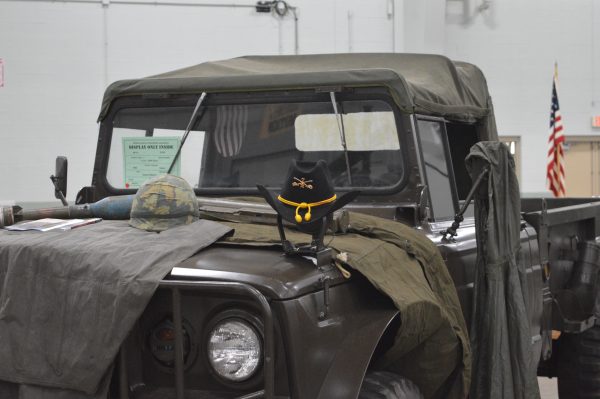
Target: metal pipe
179	385
417	145
459	217
143	2
188	129
183	3
123	383
281	17
296	45
595	31
51	1
339	118
166	3
105	39
350	32
280	31
254	395
393	26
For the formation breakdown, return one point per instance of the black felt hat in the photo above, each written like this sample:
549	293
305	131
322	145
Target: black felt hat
307	194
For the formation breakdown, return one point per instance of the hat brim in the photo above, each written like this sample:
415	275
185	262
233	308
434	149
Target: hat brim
288	212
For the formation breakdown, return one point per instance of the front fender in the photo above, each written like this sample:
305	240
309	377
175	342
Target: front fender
351	361
328	358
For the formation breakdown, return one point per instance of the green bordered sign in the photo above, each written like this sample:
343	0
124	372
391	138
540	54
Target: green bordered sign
146	157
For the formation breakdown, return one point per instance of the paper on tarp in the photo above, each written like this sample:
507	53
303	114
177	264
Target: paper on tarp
68	299
431	347
500	334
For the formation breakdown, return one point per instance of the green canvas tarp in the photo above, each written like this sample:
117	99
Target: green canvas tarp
500	334
121	266
68	299
419	83
432	346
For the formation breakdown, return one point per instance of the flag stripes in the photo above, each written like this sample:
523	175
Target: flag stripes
230	129
555	171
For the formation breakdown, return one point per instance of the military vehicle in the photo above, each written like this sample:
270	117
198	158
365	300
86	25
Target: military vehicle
310	332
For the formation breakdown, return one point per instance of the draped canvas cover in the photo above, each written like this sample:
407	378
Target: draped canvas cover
431	347
503	365
68	299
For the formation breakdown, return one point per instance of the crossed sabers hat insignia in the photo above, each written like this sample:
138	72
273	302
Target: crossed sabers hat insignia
302	183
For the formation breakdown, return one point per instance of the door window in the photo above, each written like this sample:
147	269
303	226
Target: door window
437	167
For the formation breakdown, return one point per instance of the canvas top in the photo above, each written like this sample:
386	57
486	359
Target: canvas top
419	83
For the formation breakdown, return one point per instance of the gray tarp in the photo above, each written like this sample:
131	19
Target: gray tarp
432	346
68	299
500	335
419	83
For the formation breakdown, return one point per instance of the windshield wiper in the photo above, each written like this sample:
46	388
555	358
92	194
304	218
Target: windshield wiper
187	130
340	122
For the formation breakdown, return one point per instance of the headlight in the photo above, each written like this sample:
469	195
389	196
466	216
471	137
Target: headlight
234	349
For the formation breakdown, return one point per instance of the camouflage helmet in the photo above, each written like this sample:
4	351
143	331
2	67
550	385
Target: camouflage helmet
163	202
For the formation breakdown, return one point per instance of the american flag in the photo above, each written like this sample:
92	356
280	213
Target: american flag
230	131
555	171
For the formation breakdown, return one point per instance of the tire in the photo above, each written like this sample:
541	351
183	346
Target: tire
578	366
386	385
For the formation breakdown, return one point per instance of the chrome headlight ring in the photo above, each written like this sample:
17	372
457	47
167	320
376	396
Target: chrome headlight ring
234	349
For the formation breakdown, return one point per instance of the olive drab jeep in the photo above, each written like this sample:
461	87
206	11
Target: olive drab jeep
241	319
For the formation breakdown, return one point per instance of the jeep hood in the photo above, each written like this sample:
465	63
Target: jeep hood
266	268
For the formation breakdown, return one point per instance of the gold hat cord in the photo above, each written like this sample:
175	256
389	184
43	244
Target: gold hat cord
302	205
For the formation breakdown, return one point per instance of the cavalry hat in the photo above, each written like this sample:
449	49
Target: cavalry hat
307	194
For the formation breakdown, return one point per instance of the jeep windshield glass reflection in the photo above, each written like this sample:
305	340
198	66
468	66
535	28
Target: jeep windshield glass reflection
234	147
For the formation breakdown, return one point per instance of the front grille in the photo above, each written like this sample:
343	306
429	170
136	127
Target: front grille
176	387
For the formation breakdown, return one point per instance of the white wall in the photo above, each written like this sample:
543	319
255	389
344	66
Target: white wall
59	57
516	43
53	82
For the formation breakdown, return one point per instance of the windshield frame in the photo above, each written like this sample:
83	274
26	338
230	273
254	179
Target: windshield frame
256	97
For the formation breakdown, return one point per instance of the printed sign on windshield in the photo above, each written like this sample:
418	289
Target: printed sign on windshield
146	157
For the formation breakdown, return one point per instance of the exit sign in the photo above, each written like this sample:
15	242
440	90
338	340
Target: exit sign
596	121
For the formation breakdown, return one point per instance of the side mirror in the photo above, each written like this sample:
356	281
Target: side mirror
60	179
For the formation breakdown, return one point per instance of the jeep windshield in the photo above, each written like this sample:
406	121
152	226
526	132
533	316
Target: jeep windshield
239	141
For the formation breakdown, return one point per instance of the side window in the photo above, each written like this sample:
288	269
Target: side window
461	137
438	168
